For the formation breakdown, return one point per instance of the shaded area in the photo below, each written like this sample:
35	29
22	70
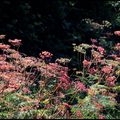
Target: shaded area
55	25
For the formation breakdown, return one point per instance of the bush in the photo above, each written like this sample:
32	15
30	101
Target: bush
35	87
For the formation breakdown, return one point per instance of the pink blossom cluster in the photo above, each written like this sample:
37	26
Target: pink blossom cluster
86	63
111	80
117	33
107	69
4	46
45	54
15	42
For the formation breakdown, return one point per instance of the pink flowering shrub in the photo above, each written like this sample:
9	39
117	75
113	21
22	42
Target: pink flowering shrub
34	87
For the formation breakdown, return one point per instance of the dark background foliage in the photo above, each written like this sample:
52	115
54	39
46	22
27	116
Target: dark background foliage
54	25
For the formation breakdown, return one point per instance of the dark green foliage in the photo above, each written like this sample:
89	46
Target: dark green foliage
57	23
